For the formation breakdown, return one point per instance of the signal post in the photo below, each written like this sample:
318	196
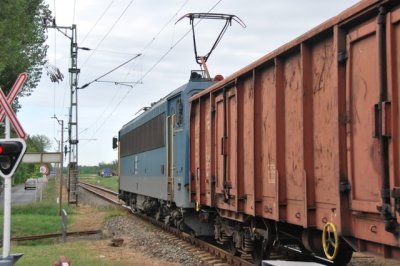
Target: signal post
11	153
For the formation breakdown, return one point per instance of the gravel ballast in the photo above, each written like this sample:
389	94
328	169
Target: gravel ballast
150	240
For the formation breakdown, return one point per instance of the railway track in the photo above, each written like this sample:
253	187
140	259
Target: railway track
209	253
104	193
53	235
219	253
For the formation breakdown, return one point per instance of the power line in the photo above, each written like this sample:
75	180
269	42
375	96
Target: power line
98	20
175	44
116	83
115	52
149	71
112	27
122	83
164	27
112	70
146	47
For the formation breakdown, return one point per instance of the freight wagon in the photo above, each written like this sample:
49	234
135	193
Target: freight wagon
302	146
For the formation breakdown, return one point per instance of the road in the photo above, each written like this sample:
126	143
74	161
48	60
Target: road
20	196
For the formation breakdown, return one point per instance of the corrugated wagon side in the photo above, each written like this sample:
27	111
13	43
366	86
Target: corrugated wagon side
308	135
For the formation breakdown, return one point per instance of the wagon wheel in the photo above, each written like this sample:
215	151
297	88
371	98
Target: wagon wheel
263	246
330	241
132	204
258	253
158	215
231	248
262	250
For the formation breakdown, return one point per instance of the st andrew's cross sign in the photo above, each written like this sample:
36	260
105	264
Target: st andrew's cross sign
6	105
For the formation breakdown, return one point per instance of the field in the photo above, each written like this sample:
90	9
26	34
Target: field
37	218
42	218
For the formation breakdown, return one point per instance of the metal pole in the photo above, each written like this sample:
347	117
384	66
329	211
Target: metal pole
61	164
73	169
7	204
75	85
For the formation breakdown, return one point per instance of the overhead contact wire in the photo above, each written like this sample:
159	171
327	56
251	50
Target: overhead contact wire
149	71
112	70
108	32
98	20
142	52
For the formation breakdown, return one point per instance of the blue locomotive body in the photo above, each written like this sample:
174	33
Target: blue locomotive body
154	158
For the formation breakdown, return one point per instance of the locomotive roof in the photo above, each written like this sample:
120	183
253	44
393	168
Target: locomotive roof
157	108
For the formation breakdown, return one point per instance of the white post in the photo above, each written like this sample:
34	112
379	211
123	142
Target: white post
61	166
7	204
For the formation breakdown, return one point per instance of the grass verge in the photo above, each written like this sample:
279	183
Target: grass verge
78	252
37	218
42	218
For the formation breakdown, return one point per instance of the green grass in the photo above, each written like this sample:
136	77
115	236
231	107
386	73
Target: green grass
42	218
47	254
37	218
107	182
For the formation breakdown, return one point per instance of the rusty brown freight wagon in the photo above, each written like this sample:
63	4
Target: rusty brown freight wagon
303	144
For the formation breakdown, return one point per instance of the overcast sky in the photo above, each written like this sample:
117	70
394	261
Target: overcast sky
116	30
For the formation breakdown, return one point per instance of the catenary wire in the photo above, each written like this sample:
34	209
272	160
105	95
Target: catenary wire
112	70
98	20
114	52
148	72
108	32
146	47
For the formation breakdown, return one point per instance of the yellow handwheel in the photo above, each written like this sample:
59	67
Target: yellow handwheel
330	241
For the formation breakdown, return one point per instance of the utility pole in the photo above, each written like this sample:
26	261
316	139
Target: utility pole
61	122
73	168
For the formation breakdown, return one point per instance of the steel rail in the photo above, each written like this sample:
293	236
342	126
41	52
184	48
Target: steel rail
213	250
52	235
100	188
111	196
204	246
200	244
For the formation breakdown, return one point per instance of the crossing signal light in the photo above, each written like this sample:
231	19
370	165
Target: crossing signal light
115	143
11	153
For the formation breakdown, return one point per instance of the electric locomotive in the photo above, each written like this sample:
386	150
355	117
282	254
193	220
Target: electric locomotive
154	159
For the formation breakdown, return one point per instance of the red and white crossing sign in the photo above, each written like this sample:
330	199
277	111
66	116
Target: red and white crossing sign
6	105
44	169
